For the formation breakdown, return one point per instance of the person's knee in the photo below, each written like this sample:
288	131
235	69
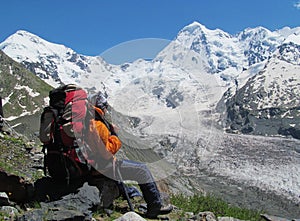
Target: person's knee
143	166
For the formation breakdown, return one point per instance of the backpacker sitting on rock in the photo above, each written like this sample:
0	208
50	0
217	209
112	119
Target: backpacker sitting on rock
80	144
104	142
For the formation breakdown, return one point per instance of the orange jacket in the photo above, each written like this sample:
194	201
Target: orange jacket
100	139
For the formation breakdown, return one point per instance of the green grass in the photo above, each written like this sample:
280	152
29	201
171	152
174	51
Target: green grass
14	159
4	216
200	203
194	204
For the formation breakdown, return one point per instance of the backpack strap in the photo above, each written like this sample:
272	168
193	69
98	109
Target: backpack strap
109	126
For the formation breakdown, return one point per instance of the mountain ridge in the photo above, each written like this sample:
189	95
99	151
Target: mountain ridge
268	102
258	34
23	96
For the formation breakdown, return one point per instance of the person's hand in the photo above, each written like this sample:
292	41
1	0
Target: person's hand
113	129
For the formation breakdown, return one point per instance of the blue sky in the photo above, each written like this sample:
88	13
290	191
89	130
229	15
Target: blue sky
91	27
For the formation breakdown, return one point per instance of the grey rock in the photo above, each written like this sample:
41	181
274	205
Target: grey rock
73	206
33	215
228	219
57	214
208	216
109	190
84	200
130	216
273	218
4	201
12	211
65	214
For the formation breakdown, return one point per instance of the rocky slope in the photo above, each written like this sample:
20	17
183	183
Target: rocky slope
23	94
268	103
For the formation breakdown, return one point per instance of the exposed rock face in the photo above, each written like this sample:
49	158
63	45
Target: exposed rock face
74	206
268	103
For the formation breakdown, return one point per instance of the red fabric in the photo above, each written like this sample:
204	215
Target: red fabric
75	95
78	110
77	99
67	140
73	155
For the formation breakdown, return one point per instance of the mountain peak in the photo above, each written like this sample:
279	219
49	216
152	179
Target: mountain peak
25	46
24	32
287	31
290	34
255	33
194	27
196	24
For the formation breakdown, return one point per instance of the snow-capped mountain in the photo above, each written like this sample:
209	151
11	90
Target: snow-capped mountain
169	103
54	63
269	102
200	49
187	78
219	52
196	50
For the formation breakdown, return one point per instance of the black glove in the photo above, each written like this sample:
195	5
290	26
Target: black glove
112	130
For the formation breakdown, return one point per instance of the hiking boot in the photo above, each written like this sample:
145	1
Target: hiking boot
153	212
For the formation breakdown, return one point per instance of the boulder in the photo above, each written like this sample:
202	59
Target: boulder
130	216
77	205
4	201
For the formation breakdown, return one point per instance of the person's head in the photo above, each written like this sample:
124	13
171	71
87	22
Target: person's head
99	100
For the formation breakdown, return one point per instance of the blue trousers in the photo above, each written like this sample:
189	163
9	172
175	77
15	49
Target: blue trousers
139	172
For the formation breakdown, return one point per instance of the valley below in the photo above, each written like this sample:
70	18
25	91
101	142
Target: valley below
254	172
261	173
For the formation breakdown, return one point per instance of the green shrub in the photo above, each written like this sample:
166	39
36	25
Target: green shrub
201	203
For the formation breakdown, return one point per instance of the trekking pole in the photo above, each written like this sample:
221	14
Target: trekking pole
124	189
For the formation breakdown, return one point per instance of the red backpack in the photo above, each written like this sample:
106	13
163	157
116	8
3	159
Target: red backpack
62	127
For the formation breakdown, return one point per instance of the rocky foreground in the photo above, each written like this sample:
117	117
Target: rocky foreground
80	202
